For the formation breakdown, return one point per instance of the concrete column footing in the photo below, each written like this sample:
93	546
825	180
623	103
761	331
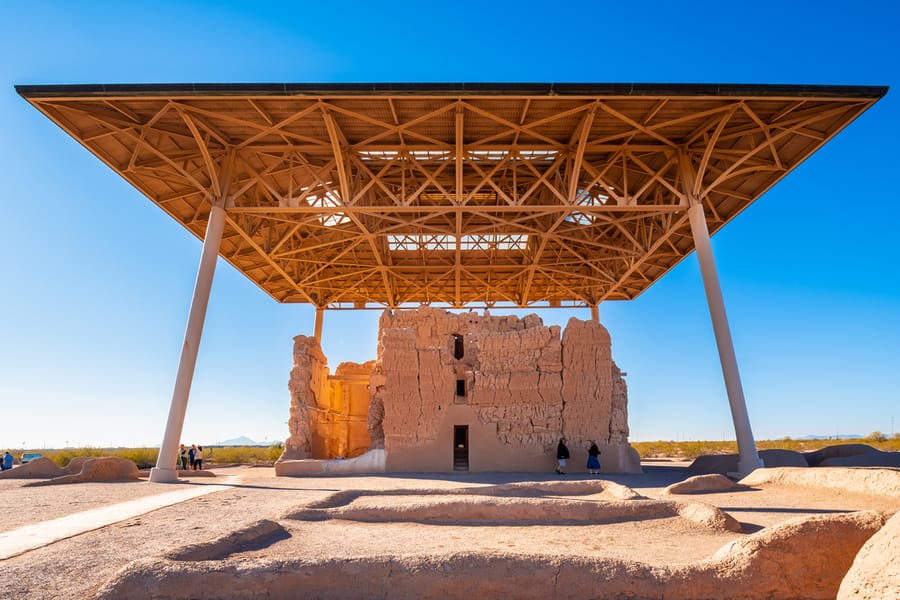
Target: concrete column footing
158	475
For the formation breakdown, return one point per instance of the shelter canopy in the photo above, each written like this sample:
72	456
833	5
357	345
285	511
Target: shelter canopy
381	195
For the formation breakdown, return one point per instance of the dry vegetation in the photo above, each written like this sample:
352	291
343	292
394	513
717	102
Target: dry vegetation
145	458
691	450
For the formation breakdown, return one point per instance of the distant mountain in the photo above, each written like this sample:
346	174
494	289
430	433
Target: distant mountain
842	436
241	441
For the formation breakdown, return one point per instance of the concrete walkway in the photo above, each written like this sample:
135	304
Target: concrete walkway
30	537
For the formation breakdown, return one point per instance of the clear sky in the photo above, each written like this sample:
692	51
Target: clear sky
96	281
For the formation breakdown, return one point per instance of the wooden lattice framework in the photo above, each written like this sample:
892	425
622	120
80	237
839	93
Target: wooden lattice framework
354	196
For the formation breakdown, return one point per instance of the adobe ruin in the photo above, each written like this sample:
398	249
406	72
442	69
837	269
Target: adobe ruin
462	392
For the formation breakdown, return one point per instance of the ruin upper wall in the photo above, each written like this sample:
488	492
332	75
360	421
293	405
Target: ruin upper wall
531	382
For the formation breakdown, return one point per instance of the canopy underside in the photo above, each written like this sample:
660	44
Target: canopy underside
456	195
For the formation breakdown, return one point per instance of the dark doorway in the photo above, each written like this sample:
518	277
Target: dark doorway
458	346
460	447
461	387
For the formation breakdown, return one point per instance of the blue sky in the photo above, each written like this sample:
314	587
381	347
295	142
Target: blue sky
97	281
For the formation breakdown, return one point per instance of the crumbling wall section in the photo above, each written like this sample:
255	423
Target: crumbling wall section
509	368
400	394
618	418
308	387
517	384
328	414
587	382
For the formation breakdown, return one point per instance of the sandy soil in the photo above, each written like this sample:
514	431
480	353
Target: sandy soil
77	567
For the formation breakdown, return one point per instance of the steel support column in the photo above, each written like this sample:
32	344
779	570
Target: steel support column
595	313
317	331
748	458
165	471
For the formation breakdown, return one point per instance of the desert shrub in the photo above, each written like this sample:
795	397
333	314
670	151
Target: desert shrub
144	458
683	450
245	455
876	436
693	449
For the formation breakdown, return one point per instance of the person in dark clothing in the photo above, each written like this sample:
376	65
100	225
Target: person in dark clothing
182	457
593	463
562	455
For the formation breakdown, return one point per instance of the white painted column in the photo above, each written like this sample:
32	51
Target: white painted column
165	471
317	331
595	313
748	458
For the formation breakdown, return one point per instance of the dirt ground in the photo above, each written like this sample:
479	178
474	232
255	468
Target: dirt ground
78	566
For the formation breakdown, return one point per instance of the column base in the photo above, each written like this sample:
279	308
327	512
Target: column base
747	466
158	475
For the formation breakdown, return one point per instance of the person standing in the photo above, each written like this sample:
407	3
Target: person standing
593	463
198	458
191	453
7	461
182	457
562	455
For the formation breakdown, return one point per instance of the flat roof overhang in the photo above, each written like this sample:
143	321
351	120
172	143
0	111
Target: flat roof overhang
458	194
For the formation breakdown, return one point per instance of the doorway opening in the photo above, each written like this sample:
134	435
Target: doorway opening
458	346
460	447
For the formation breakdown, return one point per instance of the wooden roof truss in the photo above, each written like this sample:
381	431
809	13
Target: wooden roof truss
450	199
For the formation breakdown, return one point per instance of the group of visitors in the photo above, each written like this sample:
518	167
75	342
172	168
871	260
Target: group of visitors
194	455
562	457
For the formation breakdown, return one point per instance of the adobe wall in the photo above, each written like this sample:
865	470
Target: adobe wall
515	384
525	384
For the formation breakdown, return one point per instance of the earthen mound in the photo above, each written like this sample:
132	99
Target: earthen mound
107	468
874	481
815	458
802	558
76	463
552	502
877	458
193	473
708	516
701	484
724	464
38	468
552	488
493	510
548	488
875	572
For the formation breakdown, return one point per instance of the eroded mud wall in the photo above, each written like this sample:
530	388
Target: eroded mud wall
516	385
512	385
328	413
